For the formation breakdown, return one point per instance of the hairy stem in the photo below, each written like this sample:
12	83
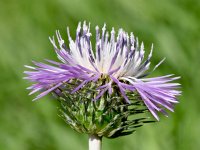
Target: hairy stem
94	142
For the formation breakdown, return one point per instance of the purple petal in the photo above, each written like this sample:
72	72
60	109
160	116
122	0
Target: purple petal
47	91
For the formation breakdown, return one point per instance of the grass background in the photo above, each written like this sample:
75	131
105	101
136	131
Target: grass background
172	25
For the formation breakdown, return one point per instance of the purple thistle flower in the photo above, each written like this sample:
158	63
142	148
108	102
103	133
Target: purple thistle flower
120	60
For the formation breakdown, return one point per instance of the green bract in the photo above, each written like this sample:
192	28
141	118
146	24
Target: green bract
110	116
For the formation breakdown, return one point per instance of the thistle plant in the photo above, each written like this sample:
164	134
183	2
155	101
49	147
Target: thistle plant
103	91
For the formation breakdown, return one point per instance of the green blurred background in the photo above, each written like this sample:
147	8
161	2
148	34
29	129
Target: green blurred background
172	25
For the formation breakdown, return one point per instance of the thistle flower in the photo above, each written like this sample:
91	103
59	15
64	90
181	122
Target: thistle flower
116	68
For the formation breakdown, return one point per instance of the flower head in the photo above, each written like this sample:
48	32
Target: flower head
116	62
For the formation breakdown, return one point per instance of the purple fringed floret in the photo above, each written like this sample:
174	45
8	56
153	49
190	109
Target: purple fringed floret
120	59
